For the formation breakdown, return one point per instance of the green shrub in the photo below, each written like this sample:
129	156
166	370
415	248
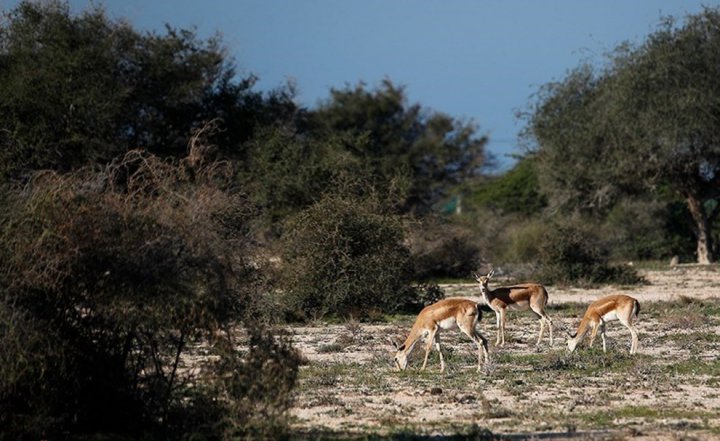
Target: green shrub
524	240
573	254
344	255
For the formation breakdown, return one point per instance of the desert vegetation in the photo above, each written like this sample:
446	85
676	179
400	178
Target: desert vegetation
170	238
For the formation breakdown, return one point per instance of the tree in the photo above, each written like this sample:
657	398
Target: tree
81	89
434	150
648	119
515	191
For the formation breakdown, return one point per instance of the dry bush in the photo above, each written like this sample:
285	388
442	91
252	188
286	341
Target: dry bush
119	271
442	249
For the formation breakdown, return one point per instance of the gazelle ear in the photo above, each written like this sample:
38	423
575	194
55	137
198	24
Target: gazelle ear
491	273
477	278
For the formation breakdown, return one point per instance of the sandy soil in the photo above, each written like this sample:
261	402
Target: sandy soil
668	391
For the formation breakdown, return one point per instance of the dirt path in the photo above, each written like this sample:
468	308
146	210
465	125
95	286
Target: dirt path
670	390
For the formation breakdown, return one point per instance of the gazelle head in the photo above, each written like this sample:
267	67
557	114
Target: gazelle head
483	280
401	360
572	342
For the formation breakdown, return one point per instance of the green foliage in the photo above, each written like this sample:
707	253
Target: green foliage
573	254
122	271
647	229
287	173
524	241
434	150
516	191
647	120
81	89
344	255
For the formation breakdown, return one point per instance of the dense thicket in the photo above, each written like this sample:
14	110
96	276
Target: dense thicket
108	278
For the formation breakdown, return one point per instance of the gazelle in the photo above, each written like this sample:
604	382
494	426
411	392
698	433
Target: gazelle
614	307
519	297
445	314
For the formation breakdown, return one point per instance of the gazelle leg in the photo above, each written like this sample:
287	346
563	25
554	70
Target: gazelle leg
482	347
633	333
602	335
498	325
437	346
544	320
634	336
502	326
635	342
428	346
481	343
542	331
593	334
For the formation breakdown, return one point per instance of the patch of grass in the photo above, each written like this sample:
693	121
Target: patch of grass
330	348
585	361
695	366
567	310
685	418
694	338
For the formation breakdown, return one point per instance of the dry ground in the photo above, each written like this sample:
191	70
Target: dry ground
669	390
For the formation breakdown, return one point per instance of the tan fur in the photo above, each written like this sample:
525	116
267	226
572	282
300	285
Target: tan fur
446	314
625	308
519	297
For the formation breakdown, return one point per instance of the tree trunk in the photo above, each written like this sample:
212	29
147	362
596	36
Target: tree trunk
702	230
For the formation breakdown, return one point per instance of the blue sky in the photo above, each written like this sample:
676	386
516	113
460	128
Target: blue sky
476	60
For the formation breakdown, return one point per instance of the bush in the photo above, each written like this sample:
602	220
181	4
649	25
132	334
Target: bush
107	278
443	250
523	241
344	255
241	396
573	254
637	230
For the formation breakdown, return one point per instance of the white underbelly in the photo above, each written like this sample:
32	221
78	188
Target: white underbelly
610	316
448	323
519	306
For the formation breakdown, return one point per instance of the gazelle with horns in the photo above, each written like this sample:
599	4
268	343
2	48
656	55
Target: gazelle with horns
518	297
445	314
620	307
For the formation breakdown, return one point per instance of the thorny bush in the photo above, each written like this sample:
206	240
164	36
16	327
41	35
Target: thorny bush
107	278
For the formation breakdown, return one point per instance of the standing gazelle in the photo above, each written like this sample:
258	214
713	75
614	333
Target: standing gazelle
614	307
519	297
445	314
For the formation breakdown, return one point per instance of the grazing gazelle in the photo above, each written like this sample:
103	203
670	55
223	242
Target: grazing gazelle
445	314
518	297
614	307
